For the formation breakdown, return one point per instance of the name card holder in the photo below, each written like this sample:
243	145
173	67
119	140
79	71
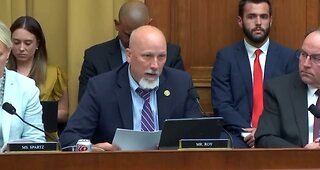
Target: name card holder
32	146
204	143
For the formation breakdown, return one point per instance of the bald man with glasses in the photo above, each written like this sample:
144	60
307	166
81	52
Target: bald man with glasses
286	121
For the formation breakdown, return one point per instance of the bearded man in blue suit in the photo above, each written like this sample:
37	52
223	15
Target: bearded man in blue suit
111	100
233	72
111	54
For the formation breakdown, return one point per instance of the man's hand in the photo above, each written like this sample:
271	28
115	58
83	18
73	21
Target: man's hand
314	145
249	139
100	147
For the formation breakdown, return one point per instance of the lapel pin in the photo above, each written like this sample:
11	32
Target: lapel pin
166	93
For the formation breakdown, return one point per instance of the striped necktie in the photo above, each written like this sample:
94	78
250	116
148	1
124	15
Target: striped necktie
147	118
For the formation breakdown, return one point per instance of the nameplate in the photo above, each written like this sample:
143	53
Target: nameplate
204	143
33	146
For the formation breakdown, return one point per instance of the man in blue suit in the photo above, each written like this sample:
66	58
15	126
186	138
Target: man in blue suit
109	55
112	99
233	72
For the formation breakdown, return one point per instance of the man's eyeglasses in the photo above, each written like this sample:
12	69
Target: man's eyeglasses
314	58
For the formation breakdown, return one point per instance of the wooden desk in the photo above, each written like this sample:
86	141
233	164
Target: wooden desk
217	159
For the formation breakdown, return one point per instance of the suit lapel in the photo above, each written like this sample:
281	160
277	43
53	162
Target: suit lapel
271	60
244	67
299	96
6	117
115	56
124	97
164	100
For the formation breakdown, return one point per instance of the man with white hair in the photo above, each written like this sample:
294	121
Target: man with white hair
139	95
109	55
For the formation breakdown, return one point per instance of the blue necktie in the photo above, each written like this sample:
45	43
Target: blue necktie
147	120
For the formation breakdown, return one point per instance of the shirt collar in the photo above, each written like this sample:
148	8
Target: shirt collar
123	52
121	46
251	49
311	90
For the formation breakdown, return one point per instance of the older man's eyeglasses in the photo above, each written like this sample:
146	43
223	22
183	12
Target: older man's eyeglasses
314	58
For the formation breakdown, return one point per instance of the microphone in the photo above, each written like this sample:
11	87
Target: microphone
11	110
314	110
194	94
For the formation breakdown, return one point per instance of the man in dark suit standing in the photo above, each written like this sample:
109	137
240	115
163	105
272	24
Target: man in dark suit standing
109	55
112	100
285	121
241	69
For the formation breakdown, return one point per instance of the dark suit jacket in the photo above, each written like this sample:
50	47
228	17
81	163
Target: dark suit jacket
107	105
284	122
106	56
232	83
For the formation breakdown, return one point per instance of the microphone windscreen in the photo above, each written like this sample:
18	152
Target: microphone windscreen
9	108
314	110
193	93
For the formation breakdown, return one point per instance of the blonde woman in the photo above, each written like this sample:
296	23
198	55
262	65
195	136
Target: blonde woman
23	94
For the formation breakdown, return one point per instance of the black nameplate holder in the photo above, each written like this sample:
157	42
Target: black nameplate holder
32	146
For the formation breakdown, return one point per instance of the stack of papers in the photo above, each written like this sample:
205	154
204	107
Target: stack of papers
136	140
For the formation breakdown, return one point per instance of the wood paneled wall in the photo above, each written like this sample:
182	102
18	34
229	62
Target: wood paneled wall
202	27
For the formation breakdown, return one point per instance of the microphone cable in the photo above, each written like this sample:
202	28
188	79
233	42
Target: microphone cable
194	94
72	147
12	110
229	136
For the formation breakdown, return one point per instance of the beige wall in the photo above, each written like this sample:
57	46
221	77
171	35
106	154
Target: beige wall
88	23
70	26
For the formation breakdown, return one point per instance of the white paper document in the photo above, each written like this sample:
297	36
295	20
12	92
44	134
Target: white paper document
136	140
